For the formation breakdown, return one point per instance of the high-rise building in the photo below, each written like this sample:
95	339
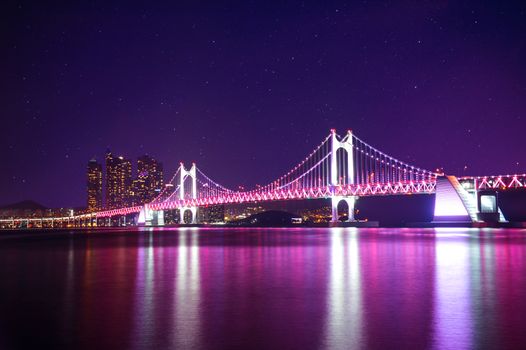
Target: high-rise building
149	181
109	196
122	191
118	181
138	190
94	185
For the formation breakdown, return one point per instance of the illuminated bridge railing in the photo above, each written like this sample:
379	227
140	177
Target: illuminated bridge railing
120	211
493	182
298	194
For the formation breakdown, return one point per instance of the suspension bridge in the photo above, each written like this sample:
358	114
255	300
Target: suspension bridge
340	168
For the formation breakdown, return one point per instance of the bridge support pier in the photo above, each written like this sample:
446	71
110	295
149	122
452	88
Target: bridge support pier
193	210
350	204
157	218
150	217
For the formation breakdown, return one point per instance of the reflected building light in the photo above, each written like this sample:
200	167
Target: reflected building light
68	303
144	295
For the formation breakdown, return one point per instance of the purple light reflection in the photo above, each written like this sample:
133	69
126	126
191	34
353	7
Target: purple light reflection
452	316
267	288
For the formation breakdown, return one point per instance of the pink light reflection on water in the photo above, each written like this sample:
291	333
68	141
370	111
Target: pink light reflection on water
453	324
267	288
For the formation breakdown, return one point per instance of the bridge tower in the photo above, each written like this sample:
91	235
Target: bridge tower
345	143
192	173
154	217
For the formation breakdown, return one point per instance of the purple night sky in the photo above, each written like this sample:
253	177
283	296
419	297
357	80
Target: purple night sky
248	89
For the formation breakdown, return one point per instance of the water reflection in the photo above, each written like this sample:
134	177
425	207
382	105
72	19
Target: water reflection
482	278
453	321
144	319
187	294
343	324
266	288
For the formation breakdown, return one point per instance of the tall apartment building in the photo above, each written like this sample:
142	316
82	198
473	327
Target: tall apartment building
150	174
94	185
118	181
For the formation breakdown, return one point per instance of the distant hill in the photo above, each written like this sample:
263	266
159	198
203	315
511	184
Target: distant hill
23	205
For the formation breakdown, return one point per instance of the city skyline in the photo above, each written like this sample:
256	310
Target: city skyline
121	183
230	87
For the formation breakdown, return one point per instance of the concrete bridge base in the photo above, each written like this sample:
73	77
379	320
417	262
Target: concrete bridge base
336	200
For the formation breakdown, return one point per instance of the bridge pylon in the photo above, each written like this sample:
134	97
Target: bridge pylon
345	143
192	173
